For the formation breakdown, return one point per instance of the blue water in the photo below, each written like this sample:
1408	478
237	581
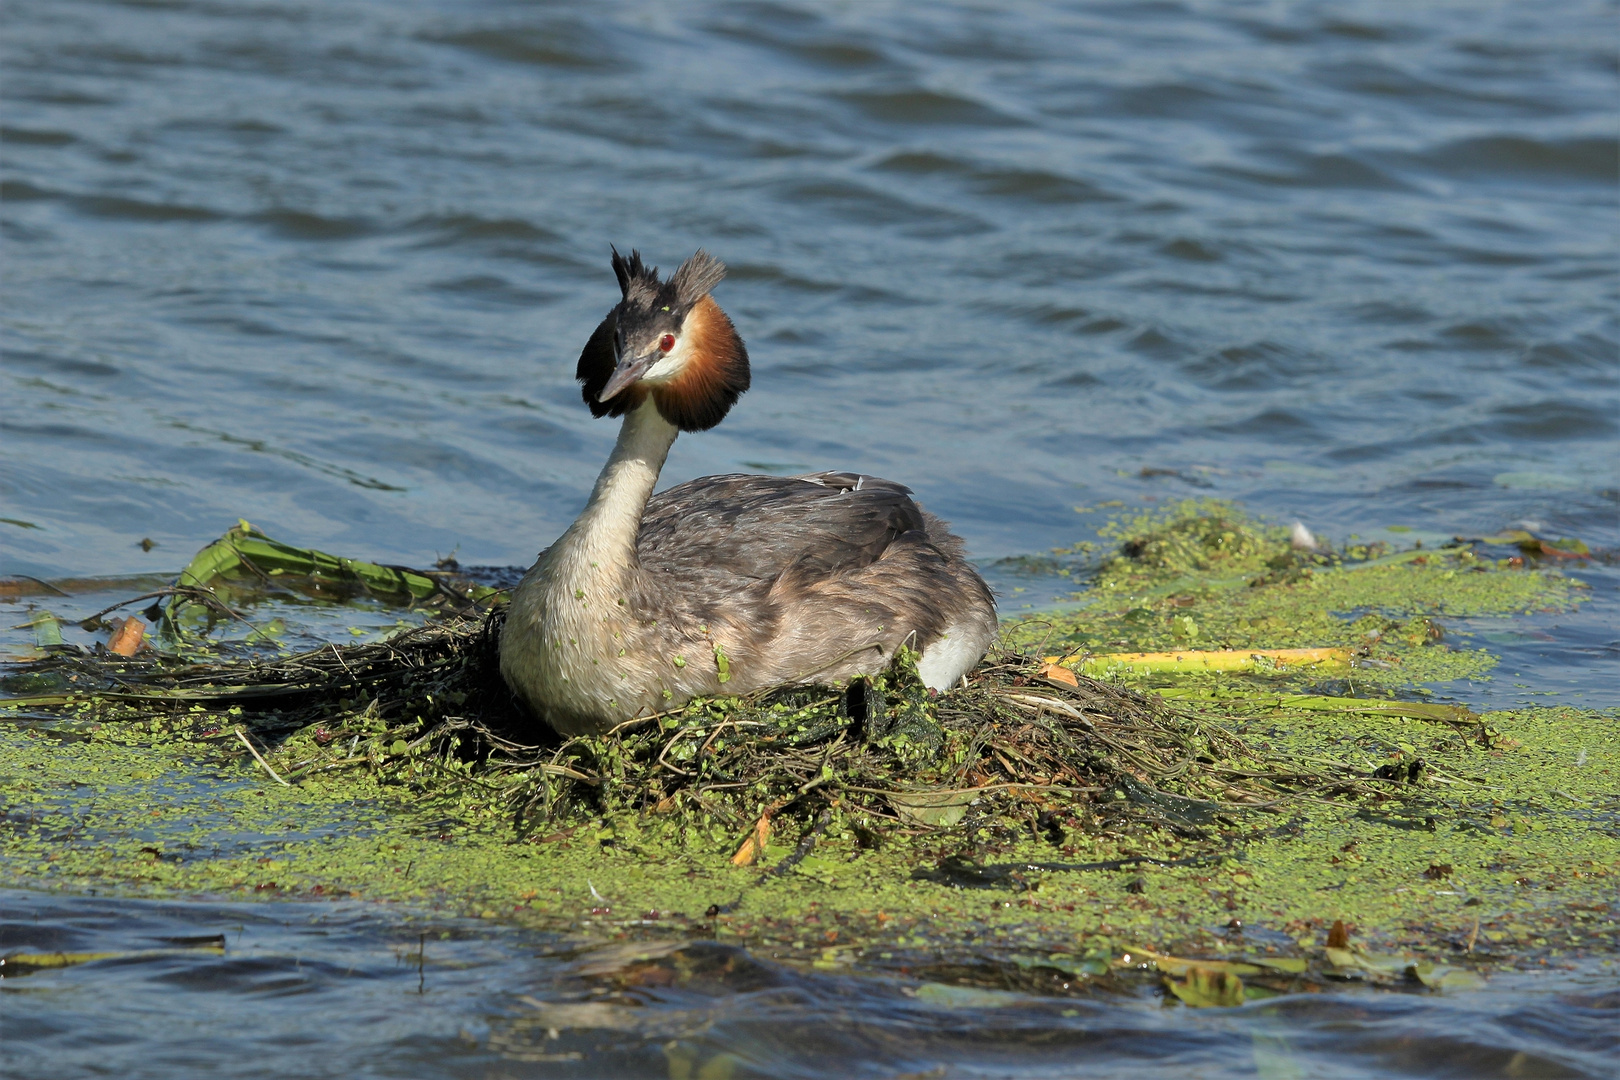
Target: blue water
342	989
328	266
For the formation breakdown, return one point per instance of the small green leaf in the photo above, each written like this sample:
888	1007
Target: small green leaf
47	629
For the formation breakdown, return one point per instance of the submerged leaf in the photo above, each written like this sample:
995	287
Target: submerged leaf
1342	958
1356	962
1444	977
611	959
965	997
1207	987
934	808
588	1015
1176	965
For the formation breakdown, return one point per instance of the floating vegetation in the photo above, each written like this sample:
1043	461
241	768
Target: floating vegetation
1239	791
1198	588
246	562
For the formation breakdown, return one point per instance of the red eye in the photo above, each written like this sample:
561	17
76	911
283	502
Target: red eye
667	342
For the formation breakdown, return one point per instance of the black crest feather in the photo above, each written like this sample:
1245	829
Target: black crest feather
696	278
642	289
637	281
596	368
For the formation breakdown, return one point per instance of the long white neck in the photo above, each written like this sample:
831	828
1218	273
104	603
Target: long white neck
607	527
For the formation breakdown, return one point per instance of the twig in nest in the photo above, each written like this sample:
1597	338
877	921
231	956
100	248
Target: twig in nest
201	596
806	844
260	759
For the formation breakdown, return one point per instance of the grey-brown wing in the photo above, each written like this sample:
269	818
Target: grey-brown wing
761	527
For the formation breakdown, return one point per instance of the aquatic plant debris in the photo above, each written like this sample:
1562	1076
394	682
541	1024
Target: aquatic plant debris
127	637
1036	831
1208	660
245	557
1201	581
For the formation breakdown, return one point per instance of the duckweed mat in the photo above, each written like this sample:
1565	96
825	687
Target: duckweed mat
1238	833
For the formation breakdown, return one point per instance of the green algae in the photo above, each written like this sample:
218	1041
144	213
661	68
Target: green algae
1489	840
1201	575
1537	869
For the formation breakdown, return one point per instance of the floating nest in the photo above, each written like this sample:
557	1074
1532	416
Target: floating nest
1022	746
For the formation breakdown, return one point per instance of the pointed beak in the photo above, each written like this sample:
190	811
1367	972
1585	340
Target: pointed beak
625	372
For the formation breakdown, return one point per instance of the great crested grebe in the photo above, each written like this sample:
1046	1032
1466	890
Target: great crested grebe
724	584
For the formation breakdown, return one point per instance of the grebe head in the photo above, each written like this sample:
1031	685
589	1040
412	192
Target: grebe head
667	339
